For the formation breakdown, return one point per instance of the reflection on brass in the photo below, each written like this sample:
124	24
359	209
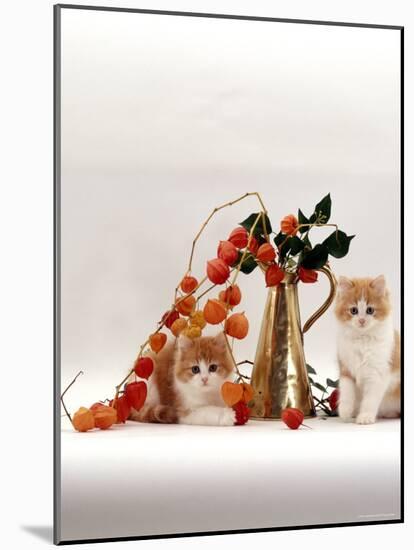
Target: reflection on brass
279	376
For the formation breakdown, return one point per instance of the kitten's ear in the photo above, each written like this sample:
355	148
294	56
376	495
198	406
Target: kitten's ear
378	285
220	341
184	343
344	284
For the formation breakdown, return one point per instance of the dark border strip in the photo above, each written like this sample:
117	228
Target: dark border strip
231	532
56	273
227	16
402	312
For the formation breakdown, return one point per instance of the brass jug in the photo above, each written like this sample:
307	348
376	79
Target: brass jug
279	376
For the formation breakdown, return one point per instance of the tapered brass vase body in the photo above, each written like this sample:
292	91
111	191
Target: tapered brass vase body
279	376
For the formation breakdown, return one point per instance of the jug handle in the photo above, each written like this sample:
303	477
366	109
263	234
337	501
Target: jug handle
319	312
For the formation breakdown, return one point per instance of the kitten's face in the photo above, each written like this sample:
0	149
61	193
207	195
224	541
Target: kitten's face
362	303
203	363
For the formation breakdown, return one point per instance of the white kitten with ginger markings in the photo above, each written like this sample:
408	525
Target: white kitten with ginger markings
185	385
368	351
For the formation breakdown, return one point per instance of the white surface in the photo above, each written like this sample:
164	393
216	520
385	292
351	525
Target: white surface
26	285
143	479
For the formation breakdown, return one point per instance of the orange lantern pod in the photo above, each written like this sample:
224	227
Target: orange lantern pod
253	245
248	392
157	341
274	275
242	413
144	367
96	407
266	253
185	305
83	420
214	312
307	275
227	252
222	300
231	295
169	317
293	418
105	418
237	326
122	407
333	400
239	237
289	225
188	284
178	326
231	393
136	393
217	271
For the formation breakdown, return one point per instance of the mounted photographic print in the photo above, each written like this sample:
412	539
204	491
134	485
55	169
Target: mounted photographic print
228	282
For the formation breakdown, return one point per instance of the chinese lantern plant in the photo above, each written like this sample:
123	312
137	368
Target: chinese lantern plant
293	418
237	396
328	398
294	252
103	416
184	317
247	246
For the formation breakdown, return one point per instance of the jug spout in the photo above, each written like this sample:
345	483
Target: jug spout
279	377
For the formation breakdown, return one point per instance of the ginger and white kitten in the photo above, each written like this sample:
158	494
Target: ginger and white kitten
368	351
185	385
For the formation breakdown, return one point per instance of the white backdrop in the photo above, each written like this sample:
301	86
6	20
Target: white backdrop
164	118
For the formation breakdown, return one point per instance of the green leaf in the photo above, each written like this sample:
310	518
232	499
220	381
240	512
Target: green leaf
284	250
302	219
323	209
289	244
307	242
296	245
267	224
332	383
310	369
248	265
310	380
338	244
319	386
315	258
278	240
249	222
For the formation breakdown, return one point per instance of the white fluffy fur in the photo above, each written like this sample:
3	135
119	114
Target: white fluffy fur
201	396
366	355
365	347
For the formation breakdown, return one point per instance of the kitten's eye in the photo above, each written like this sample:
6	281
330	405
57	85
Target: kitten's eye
354	310
370	310
195	369
212	368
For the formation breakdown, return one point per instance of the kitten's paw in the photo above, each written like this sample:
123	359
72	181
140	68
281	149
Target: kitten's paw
365	418
346	414
227	417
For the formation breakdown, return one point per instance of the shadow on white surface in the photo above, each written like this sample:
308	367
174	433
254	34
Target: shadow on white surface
43	532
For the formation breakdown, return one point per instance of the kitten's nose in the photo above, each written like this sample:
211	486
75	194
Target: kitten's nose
361	322
204	380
